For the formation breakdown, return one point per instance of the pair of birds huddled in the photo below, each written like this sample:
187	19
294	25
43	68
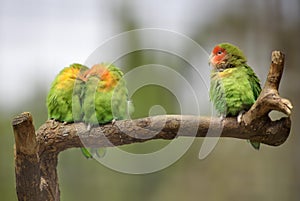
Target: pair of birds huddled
99	95
95	96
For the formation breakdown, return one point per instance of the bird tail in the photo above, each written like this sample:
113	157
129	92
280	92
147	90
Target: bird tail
86	153
254	144
93	152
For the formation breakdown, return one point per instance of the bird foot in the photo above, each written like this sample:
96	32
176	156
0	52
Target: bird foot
240	116
52	122
88	127
113	122
222	117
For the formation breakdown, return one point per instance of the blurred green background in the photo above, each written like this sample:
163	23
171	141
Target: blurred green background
37	39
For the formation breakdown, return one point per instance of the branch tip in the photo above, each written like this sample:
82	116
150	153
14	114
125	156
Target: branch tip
277	57
19	119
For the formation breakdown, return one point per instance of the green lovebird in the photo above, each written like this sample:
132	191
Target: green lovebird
234	87
105	98
64	97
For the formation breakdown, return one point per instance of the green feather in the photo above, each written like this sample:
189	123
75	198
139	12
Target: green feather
234	90
237	57
105	99
255	145
64	97
95	96
236	87
86	152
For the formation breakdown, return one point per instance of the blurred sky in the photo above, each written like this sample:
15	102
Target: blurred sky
39	38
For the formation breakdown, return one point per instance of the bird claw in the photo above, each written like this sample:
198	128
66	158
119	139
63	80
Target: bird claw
88	127
222	118
113	122
52	122
240	116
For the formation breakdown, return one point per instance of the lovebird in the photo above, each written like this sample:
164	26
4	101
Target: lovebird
64	98
94	96
105	98
234	87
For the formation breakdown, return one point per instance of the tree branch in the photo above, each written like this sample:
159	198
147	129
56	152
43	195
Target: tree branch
26	158
36	153
165	127
269	98
36	175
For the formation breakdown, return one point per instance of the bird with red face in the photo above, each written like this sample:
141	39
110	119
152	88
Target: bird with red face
234	87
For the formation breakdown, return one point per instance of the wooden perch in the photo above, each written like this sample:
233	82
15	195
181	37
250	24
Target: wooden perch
36	152
269	98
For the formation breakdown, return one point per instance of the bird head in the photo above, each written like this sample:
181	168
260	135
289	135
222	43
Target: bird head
226	55
218	57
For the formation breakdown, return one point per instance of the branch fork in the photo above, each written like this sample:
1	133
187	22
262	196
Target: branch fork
269	98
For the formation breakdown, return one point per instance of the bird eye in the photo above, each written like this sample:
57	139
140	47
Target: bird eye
219	52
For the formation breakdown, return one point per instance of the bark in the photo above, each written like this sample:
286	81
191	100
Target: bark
26	158
269	98
36	152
